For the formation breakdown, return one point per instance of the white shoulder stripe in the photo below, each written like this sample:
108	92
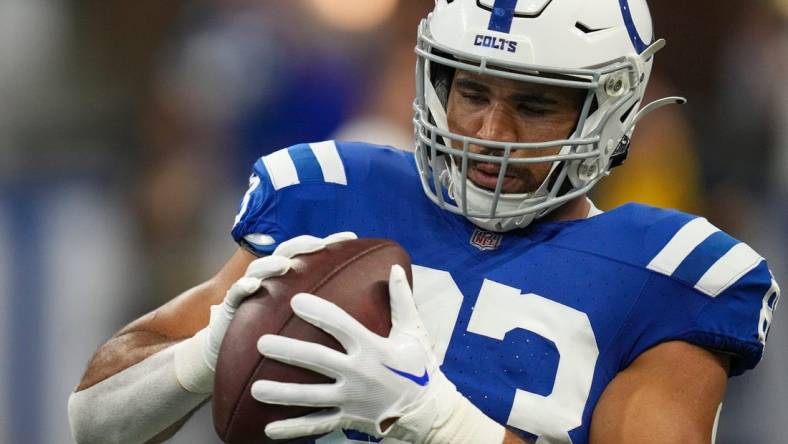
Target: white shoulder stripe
737	262
281	169
681	245
330	162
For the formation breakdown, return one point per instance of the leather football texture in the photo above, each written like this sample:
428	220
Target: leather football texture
352	274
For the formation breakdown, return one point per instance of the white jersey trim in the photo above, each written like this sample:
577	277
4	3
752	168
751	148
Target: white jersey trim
281	169
328	157
737	262
681	245
254	182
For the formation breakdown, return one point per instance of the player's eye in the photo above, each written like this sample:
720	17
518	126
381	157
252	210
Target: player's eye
475	98
531	110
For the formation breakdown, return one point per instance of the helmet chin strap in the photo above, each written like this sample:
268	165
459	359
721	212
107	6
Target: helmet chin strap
434	102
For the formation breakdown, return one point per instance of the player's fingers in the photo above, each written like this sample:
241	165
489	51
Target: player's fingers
268	266
329	317
240	290
340	237
318	423
299	245
308	355
309	244
290	393
403	307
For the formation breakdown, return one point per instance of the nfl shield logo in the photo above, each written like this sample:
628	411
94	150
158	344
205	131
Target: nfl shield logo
486	240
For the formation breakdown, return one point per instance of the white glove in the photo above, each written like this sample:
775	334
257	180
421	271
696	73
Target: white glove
196	358
378	379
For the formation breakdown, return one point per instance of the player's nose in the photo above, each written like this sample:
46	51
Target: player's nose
499	125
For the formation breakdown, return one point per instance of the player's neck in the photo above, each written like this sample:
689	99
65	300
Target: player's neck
577	208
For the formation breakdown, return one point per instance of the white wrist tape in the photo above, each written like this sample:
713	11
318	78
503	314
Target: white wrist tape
467	425
193	372
134	405
447	418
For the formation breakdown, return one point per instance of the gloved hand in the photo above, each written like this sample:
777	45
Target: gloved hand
379	380
197	376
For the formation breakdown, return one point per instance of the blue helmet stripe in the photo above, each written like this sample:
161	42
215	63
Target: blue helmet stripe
502	15
637	41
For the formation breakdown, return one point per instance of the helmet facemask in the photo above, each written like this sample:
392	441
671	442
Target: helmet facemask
612	94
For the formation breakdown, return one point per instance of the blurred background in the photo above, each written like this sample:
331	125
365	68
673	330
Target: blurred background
128	129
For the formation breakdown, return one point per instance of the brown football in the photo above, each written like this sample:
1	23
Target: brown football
352	274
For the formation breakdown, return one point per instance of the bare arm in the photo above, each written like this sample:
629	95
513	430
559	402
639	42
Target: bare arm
178	319
670	393
133	390
138	388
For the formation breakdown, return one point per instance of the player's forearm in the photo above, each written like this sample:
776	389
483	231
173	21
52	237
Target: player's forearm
120	353
136	404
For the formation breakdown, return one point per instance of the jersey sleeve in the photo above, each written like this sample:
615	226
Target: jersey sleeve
285	188
255	229
710	290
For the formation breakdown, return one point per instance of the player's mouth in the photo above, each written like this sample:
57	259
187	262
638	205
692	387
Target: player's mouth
485	175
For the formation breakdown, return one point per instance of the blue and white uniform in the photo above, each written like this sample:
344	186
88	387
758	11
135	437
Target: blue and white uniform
531	325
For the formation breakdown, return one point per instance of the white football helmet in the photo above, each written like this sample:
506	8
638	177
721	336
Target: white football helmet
604	47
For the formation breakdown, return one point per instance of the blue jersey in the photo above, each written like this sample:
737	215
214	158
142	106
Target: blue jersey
531	325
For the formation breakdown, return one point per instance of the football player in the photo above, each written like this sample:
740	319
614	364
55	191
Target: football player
533	317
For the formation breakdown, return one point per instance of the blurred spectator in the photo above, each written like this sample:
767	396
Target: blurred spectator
237	82
31	41
68	238
387	113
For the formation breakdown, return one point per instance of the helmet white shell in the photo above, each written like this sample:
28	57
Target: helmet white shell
604	47
563	33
